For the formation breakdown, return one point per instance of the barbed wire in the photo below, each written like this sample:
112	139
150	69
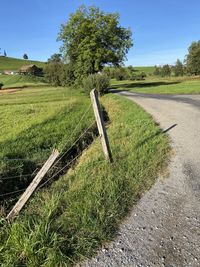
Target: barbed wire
65	153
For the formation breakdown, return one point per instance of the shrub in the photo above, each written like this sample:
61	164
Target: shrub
67	77
138	77
1	85
121	74
53	72
59	74
100	82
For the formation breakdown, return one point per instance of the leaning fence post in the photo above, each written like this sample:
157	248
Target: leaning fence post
100	124
33	185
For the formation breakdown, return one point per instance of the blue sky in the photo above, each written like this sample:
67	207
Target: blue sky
162	29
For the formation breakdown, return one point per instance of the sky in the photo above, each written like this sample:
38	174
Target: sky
162	29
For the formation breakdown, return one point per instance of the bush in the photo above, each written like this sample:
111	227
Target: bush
100	82
121	74
1	85
59	74
67	77
53	72
138	77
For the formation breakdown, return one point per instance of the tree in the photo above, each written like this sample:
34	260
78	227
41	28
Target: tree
165	70
193	59
25	56
55	58
59	74
53	72
157	71
178	68
92	38
4	53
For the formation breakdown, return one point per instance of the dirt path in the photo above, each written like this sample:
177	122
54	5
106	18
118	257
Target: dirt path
164	228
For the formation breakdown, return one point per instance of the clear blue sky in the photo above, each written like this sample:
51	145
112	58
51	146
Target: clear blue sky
162	29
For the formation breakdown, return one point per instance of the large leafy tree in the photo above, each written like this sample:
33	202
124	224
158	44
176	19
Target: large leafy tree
92	38
193	59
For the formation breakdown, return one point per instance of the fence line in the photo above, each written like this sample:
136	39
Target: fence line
14	177
13	192
35	186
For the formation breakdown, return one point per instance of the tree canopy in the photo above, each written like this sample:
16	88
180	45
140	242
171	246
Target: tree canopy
193	59
92	38
25	56
178	68
55	58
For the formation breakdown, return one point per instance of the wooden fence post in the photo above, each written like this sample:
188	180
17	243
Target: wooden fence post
33	185
100	124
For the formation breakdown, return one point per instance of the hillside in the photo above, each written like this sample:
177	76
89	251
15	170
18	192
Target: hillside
146	69
9	63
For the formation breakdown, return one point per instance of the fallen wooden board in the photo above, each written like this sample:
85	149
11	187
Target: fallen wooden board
33	185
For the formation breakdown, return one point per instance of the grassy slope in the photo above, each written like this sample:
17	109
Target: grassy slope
20	81
69	220
34	122
161	86
9	63
148	69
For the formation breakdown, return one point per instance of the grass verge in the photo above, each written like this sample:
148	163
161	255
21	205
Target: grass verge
68	221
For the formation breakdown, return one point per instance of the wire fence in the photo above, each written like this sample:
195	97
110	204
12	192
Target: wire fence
54	166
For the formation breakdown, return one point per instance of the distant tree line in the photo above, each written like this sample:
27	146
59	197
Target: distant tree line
190	66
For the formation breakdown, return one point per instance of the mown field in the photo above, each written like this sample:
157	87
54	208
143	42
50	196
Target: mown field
154	85
69	219
9	63
20	81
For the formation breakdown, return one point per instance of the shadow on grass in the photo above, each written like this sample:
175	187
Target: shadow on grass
159	132
141	84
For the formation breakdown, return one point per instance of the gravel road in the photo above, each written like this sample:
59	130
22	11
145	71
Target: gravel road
163	229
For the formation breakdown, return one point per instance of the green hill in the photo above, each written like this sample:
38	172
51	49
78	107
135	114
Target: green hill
9	63
148	69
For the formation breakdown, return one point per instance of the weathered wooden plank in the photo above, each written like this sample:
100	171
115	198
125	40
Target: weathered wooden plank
33	185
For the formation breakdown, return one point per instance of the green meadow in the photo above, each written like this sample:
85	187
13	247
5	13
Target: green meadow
154	85
20	81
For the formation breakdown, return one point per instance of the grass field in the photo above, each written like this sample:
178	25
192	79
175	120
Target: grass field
33	122
9	63
148	69
67	221
20	81
151	85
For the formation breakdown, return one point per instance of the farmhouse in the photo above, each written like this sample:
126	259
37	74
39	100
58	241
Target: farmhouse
30	70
